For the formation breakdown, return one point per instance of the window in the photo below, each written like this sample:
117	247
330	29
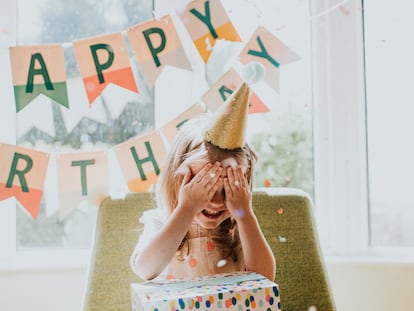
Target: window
389	68
360	115
281	137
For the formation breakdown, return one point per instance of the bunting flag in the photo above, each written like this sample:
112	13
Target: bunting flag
224	87
38	70
103	60
171	128
157	44
267	49
206	21
141	159
81	176
22	175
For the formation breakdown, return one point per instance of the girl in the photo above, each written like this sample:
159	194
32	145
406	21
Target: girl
205	223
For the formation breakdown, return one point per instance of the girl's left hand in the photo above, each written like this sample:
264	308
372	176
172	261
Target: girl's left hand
238	194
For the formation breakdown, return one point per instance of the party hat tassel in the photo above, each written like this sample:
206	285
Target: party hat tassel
227	129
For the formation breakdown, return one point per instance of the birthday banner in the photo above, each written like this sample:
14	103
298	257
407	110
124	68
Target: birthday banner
103	60
156	43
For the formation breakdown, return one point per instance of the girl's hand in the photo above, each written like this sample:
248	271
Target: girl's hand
238	194
196	192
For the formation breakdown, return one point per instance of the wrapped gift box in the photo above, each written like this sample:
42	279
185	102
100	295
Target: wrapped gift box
233	292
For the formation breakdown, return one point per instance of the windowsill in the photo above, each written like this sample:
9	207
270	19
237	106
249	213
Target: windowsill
26	261
373	256
33	261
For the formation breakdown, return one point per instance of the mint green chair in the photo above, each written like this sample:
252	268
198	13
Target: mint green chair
286	218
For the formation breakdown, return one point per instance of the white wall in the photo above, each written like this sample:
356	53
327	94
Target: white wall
357	286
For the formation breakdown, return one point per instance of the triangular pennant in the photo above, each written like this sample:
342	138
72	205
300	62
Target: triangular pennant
224	87
82	176
206	22
141	160
266	48
103	60
38	70
22	175
156	44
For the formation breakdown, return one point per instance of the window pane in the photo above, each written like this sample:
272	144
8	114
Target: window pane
389	69
281	137
116	116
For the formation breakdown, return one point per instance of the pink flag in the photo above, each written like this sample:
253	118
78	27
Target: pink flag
156	44
207	21
22	175
224	86
267	49
103	60
38	70
81	176
171	128
141	159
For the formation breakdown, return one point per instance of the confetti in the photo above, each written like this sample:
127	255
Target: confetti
267	183
239	212
221	263
280	211
344	10
210	246
282	239
312	308
192	262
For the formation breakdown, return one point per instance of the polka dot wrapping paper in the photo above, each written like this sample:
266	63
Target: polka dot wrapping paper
241	291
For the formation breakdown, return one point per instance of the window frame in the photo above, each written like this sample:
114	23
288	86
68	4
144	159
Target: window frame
341	179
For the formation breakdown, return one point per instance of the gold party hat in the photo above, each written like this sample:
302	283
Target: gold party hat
227	129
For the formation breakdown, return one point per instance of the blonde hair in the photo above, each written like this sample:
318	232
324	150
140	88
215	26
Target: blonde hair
189	148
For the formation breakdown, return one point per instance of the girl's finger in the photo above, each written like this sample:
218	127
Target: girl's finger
203	172
240	177
187	177
227	189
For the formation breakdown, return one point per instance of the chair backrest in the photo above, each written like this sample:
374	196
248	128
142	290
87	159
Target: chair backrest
285	216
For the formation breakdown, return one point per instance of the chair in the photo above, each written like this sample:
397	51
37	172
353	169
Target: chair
285	216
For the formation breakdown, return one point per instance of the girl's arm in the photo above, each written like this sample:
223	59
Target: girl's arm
258	256
194	195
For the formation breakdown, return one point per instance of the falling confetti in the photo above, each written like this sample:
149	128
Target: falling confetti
209	46
239	213
221	263
267	183
280	211
344	10
192	262
312	308
210	246
282	239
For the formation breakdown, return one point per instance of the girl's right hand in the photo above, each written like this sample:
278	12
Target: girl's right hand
197	191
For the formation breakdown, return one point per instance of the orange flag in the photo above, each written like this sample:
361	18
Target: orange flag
207	21
81	176
156	44
171	128
22	175
103	60
224	87
141	159
267	49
